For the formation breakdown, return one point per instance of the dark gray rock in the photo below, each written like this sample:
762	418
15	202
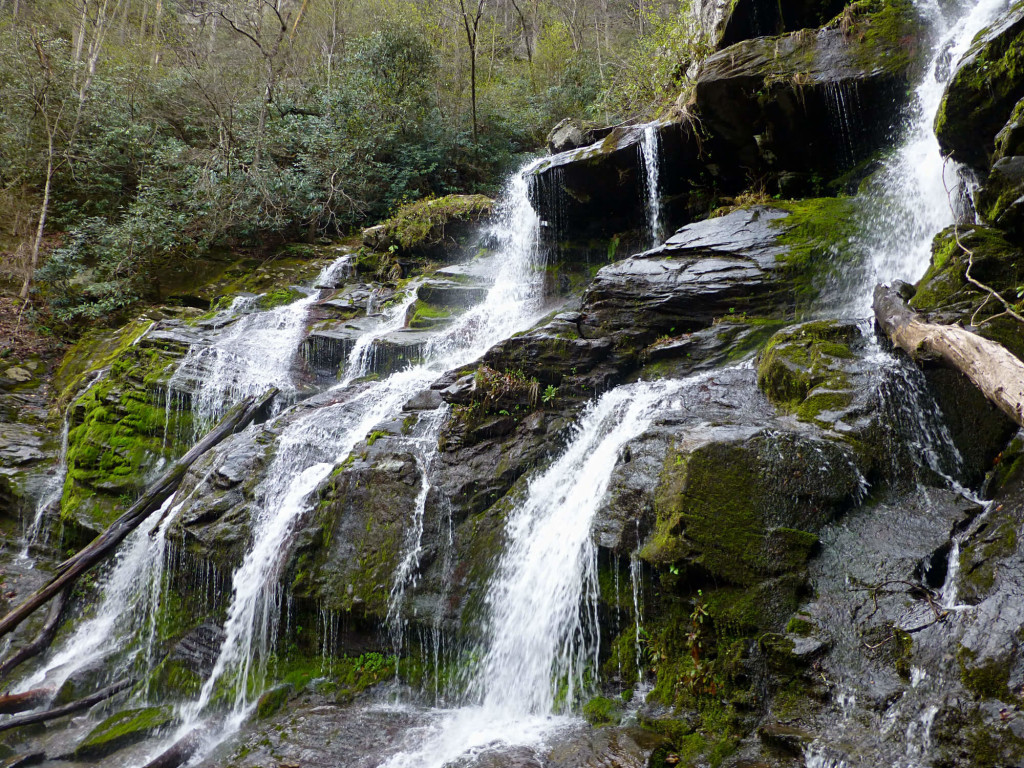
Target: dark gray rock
706	271
983	92
811	103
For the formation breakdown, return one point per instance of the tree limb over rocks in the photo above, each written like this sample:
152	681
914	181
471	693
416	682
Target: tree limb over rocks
990	367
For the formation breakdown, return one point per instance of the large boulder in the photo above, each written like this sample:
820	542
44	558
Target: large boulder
810	104
758	261
438	228
757	18
983	92
597	191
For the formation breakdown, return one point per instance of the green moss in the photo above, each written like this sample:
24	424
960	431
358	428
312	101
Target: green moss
279	297
800	626
423	222
819	235
374	436
990	680
123	729
802	368
709	506
980	557
427	316
945	292
120	428
271	702
94	351
982	94
601	711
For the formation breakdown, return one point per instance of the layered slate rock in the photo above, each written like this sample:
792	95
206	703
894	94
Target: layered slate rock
758	18
809	103
597	191
979	100
707	270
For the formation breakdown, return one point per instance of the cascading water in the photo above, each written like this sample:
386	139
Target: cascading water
55	486
916	193
254	352
130	594
650	154
542	632
312	445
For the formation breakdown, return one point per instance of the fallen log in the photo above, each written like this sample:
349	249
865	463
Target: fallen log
67	709
990	367
67	572
19	702
42	640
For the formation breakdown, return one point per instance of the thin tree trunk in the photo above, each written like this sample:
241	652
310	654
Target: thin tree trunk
67	709
990	367
44	210
42	640
105	544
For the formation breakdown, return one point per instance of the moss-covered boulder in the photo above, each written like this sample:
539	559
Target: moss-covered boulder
814	104
346	555
945	295
761	261
745	504
120	427
813	371
982	94
436	228
121	730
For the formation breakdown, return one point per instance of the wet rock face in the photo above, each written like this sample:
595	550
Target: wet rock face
597	191
808	103
712	269
983	92
346	555
757	18
215	525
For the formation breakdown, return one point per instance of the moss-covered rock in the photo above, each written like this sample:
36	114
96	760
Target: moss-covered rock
982	94
346	556
945	295
433	228
980	555
119	430
601	711
808	369
123	729
743	505
776	105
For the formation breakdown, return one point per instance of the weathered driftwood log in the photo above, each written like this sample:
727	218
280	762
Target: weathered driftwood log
42	640
103	545
67	709
19	702
990	367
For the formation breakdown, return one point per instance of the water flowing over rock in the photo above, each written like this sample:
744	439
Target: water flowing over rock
613	471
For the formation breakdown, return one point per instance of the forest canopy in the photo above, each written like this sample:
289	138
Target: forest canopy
134	133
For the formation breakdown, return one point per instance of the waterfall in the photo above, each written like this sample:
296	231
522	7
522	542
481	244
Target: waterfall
914	197
129	595
312	445
650	154
542	630
249	355
55	485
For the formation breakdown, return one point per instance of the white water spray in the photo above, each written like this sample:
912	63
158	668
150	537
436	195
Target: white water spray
650	149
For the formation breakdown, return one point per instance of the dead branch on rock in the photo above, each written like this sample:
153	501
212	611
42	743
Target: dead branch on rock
103	545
